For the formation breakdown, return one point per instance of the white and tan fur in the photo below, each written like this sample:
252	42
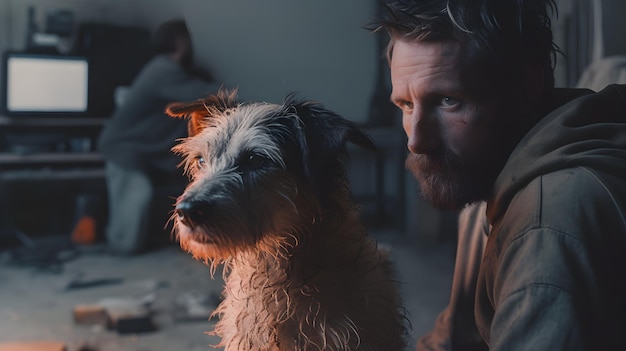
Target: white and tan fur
269	199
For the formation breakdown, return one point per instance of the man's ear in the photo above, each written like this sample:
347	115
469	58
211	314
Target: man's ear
201	111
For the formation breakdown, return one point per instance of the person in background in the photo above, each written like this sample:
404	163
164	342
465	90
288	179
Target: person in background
538	173
142	176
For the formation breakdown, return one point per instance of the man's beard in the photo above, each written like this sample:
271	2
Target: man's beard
446	182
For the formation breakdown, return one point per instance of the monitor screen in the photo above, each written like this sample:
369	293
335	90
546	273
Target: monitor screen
42	84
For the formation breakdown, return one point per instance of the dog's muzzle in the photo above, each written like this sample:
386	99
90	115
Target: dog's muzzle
192	213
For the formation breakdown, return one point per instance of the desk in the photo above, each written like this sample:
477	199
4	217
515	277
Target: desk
25	121
50	166
65	128
24	166
47	174
47	165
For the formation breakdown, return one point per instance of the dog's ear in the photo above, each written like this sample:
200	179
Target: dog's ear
325	135
326	131
194	111
201	111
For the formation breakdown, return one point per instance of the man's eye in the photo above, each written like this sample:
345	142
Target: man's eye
448	101
405	106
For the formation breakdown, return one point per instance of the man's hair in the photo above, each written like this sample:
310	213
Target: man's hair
166	35
501	35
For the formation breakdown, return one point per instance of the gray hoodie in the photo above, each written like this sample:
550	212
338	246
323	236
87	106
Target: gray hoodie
140	135
552	241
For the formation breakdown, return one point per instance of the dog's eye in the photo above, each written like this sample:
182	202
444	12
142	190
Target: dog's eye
254	160
200	161
251	161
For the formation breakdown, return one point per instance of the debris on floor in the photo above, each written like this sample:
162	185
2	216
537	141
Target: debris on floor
195	305
47	254
82	283
124	315
33	346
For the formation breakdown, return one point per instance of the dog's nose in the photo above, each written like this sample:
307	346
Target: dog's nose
191	213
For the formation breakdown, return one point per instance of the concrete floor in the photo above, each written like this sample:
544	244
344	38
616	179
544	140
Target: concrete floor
37	304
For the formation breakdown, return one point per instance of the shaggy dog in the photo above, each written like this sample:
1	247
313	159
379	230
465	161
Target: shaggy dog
269	198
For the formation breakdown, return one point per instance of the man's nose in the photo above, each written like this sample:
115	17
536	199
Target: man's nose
422	131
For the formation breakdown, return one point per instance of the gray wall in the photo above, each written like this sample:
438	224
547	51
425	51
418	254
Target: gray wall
315	47
266	48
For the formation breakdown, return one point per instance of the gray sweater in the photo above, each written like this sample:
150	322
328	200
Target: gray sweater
139	135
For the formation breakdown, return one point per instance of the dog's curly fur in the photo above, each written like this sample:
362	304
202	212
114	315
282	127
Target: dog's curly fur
269	199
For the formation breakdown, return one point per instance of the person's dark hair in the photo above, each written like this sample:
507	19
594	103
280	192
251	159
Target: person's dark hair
166	35
501	35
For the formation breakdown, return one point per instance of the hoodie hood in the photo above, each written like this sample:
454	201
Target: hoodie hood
584	129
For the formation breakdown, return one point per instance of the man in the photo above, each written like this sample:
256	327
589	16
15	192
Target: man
142	177
539	173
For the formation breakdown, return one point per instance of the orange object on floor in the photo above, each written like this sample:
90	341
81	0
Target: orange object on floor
84	231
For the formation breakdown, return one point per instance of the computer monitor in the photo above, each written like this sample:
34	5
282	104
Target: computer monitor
38	84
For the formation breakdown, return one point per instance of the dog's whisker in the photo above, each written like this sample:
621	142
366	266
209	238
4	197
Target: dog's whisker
290	202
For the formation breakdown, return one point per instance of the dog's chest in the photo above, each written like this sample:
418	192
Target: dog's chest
253	306
263	304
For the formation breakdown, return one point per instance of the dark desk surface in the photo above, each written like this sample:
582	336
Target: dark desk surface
46	165
52	121
48	174
49	158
